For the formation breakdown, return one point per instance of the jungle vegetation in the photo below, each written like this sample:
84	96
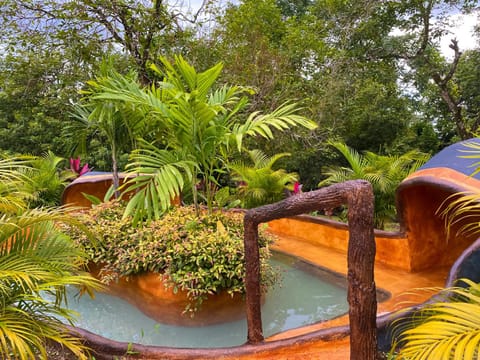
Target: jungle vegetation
380	83
143	85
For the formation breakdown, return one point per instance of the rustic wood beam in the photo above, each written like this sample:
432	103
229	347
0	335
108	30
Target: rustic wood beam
358	196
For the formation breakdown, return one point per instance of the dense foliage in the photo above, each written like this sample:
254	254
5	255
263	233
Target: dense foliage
371	74
36	259
196	127
385	173
201	255
381	83
260	183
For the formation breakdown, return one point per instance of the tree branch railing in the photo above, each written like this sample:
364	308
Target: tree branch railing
358	196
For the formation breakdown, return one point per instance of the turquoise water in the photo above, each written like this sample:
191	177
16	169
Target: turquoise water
306	295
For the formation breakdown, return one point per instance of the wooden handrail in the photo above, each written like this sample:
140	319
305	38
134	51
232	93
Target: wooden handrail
358	196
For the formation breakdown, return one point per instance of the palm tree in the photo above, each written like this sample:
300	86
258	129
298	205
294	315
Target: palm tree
47	179
113	120
384	173
36	258
445	329
261	184
198	129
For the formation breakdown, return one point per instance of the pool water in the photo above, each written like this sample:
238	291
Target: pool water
306	294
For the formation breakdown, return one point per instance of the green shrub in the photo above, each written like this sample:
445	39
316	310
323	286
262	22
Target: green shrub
201	255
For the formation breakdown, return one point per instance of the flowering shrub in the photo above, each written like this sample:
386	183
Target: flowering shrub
201	255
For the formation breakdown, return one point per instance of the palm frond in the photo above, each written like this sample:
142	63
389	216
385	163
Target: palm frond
336	175
461	209
357	162
282	118
156	177
261	184
35	258
473	149
383	172
447	329
23	335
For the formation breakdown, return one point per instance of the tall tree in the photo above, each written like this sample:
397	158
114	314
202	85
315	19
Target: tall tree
423	24
36	87
249	38
467	78
114	121
143	29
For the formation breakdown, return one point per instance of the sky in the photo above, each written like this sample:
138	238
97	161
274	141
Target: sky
463	32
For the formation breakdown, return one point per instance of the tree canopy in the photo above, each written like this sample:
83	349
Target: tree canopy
370	73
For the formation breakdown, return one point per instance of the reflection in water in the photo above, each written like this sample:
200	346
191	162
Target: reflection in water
306	295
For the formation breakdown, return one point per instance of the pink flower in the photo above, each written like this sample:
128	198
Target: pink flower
84	169
297	188
75	166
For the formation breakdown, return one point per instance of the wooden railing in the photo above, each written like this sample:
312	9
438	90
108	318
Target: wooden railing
358	196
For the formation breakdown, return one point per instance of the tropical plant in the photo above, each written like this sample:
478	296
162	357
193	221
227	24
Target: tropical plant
76	167
198	128
112	120
260	184
32	181
462	208
200	255
448	328
36	260
13	196
383	172
45	179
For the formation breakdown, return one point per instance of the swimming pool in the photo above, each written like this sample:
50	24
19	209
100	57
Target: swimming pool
306	294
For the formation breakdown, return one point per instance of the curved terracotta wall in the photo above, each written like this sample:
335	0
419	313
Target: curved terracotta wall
421	244
91	184
150	293
391	248
420	199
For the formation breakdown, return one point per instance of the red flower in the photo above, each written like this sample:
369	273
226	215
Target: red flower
297	188
75	166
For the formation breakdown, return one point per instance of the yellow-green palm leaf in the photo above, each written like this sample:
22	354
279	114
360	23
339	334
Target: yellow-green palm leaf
447	329
36	258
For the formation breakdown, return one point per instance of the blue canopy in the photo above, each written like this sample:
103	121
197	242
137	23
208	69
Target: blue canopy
453	157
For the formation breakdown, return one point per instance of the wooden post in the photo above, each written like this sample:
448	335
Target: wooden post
358	196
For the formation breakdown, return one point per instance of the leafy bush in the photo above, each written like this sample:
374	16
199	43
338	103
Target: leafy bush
260	183
201	255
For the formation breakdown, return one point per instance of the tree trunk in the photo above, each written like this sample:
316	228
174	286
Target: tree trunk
115	177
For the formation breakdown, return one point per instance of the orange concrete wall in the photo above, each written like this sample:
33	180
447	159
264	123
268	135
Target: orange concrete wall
96	185
392	248
151	294
423	244
421	200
